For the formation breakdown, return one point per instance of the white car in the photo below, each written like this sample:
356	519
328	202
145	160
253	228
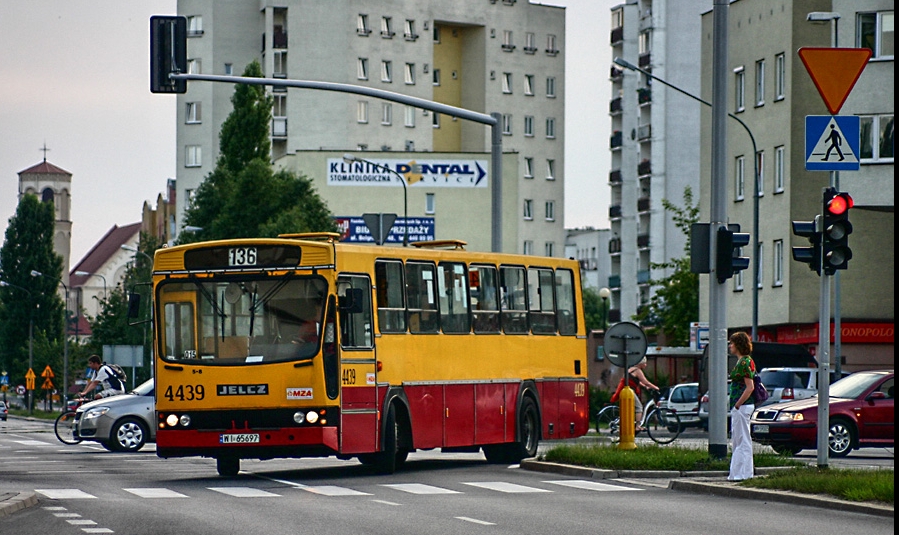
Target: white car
684	400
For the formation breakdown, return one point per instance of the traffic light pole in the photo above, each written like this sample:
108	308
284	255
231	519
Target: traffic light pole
823	368
837	324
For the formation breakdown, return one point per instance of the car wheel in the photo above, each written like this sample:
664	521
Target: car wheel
840	437
786	450
129	435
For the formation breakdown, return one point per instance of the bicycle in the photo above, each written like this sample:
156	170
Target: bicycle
662	425
65	424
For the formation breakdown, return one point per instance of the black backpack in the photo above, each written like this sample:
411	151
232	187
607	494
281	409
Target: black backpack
117	373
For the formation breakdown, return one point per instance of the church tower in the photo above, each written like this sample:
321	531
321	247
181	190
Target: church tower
53	184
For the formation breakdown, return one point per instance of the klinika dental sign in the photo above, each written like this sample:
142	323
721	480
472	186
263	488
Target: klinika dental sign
432	173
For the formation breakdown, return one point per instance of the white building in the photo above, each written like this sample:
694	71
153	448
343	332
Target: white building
488	56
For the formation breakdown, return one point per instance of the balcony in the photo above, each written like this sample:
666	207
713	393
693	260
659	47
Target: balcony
616	73
644	168
615	245
507	47
642	240
615	106
643	276
644	132
617	35
279	37
615	281
614	315
279	128
616	140
643	204
644	60
615	211
615	176
644	95
530	49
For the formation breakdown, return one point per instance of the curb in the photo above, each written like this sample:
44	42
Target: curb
702	483
10	502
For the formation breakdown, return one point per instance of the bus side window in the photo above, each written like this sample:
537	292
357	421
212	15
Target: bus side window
514	300
421	297
391	304
484	299
541	301
565	300
453	297
356	327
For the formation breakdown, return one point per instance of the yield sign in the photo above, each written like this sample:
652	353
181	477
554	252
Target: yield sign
834	72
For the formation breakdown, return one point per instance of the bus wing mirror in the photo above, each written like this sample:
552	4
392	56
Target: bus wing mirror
133	305
352	301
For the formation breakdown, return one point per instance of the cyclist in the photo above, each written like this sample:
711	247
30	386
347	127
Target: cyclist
112	385
637	379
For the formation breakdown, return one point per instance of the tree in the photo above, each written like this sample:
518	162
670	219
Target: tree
243	197
28	246
593	309
676	302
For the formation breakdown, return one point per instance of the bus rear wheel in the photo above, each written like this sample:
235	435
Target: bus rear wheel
227	465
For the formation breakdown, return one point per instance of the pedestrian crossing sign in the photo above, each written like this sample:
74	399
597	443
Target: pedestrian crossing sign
832	142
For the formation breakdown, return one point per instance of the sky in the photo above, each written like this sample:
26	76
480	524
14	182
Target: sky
75	79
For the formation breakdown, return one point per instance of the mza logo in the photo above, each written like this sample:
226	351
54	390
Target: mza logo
299	393
241	390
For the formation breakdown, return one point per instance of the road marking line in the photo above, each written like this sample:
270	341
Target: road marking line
475	521
65	494
589	485
83	522
505	487
244	492
419	488
155	493
386	502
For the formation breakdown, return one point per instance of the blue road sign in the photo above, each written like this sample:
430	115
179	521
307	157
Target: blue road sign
832	142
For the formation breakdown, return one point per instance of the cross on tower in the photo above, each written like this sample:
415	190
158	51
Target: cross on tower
44	149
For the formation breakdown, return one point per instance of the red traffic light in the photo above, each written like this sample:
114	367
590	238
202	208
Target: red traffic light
840	203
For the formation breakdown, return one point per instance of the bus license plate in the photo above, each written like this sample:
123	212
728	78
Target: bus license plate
760	429
240	438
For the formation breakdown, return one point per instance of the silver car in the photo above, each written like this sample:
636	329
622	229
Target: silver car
120	423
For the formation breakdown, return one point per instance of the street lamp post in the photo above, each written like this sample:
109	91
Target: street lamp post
755	197
604	294
30	335
65	335
350	158
86	274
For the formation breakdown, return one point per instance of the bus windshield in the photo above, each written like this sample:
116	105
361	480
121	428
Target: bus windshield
241	319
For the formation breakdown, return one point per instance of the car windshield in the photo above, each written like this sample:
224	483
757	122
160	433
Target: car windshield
144	389
784	379
852	386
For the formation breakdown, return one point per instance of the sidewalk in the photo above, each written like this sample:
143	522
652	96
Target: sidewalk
713	483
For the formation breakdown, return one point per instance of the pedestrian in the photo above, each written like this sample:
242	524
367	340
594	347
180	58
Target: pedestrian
741	407
112	385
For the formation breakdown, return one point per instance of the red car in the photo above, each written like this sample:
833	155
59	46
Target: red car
861	416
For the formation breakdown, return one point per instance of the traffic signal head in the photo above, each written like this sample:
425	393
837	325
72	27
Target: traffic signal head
835	231
809	255
168	53
727	252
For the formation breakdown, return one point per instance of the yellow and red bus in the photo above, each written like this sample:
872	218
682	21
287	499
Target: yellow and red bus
302	346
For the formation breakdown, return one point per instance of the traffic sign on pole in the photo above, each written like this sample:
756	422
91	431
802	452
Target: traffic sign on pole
832	142
834	72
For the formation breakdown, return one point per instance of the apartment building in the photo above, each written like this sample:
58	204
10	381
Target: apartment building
654	143
772	93
488	56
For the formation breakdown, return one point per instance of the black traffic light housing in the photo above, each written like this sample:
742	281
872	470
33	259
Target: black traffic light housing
835	231
168	53
809	255
727	253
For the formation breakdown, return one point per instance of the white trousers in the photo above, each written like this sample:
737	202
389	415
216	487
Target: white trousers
741	466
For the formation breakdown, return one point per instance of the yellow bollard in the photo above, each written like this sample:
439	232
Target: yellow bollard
626	420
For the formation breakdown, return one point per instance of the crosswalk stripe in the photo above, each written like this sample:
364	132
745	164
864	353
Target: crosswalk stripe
588	485
155	493
244	492
65	494
331	490
505	487
419	488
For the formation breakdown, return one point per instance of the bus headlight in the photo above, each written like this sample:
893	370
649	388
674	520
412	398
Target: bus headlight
171	420
184	420
299	417
311	417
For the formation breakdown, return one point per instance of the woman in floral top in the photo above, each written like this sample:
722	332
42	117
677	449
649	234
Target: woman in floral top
741	407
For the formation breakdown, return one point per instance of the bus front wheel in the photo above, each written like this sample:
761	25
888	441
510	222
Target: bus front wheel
528	437
227	465
392	456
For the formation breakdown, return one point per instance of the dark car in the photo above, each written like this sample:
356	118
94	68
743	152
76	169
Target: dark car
861	415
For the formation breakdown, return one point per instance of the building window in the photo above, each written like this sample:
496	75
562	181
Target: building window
435	119
644	42
194	66
550	169
760	258
387	27
550	210
760	165
229	69
739	89
279	67
528	167
410	74
386	71
430	203
192	115
529	85
739	179
875	32
551	45
507	124
528	209
529	125
507	82
530	43
436	33
435	77
387	113
410	116
362	111
550	128
778	263
362	69
877	143
550	87
193	156
548	249
760	82
279	105
409	30
779	164
527	247
188	199
738	281
780	76
362	25
195	26
508	45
